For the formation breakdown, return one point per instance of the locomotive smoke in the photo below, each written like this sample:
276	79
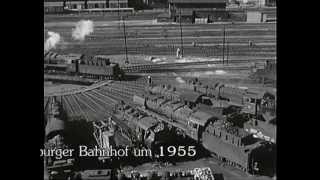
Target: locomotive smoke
52	41
180	80
82	29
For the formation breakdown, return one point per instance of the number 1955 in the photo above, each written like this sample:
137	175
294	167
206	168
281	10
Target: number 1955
180	151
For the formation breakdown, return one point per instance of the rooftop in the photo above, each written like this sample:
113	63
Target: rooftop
197	1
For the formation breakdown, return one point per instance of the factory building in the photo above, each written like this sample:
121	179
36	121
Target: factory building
190	10
59	6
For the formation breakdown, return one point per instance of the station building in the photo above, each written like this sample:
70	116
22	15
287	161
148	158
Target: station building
190	10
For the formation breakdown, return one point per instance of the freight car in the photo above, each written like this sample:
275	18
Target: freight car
231	144
97	67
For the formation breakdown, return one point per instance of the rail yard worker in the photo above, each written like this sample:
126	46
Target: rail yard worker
149	80
178	54
250	43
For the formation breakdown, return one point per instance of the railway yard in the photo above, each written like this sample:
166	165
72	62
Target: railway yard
219	96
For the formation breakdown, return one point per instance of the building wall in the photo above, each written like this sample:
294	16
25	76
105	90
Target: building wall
201	5
114	3
53	7
97	4
92	4
254	17
205	6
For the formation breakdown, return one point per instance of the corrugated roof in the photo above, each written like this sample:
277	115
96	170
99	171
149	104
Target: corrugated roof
198	1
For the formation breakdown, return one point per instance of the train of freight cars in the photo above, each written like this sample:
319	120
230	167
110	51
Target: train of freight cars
222	138
97	67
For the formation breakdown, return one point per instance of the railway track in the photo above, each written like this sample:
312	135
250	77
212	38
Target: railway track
177	66
68	78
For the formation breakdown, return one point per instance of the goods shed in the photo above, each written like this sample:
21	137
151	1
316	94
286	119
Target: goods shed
197	8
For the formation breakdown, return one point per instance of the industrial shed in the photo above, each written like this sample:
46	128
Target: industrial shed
53	6
192	9
62	6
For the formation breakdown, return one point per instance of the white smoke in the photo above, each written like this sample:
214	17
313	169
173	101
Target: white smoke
180	80
205	73
82	29
195	59
52	41
220	72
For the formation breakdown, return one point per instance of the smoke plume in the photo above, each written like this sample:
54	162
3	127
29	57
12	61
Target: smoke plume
180	80
52	41
82	29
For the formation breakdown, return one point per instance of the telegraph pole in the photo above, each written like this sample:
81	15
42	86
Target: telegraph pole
224	39
227	52
119	14
125	41
181	40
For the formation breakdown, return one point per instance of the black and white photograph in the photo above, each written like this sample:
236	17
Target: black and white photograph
160	90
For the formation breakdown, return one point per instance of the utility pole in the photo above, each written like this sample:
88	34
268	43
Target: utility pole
119	14
181	41
224	39
125	41
227	52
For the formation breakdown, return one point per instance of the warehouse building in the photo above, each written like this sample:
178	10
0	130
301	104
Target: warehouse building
190	10
60	6
260	3
53	6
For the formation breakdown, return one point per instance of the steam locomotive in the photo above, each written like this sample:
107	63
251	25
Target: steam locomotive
149	132
97	67
230	143
248	104
250	101
55	136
